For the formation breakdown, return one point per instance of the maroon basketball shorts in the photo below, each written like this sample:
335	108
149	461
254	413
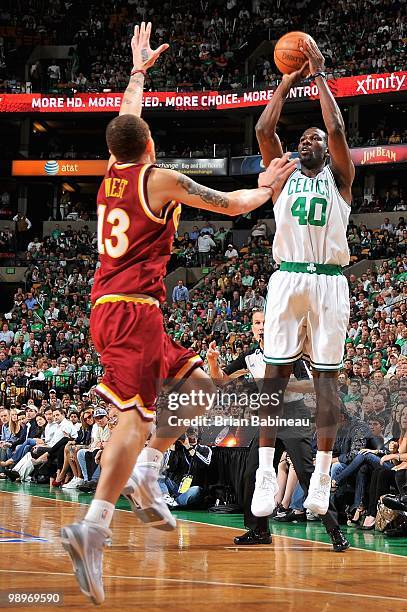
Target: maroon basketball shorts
136	353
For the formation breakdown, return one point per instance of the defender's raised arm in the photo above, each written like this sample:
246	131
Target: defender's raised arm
143	59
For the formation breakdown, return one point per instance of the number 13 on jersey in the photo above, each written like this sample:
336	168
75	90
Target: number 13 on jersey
315	214
117	243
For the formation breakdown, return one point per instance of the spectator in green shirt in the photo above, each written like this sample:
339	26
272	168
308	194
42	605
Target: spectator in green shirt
247	279
377	366
22	333
52	370
177	331
353	394
62	378
401	341
234	326
55	234
220	236
18	356
246	324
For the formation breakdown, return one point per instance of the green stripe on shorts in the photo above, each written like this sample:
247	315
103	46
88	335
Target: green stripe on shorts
281	360
326	364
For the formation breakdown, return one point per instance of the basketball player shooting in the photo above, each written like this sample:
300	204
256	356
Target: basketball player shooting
307	309
138	212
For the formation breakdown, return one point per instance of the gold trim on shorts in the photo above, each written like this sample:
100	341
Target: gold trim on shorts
133	402
122	297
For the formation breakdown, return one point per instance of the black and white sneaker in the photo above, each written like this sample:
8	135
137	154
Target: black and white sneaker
253	537
290	516
339	542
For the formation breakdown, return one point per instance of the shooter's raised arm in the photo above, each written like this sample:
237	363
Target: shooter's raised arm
341	161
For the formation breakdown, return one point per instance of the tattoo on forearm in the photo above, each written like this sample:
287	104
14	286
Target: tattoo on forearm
208	195
136	83
137	79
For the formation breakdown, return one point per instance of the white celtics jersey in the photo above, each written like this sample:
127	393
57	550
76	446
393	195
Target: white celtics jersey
311	220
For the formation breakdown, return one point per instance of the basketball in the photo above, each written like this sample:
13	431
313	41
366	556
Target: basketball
287	54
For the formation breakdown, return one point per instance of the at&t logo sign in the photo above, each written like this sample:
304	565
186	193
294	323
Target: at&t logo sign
51	167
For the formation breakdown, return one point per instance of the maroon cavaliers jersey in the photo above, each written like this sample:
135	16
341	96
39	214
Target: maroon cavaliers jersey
134	244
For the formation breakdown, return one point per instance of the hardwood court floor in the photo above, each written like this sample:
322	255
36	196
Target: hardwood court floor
195	567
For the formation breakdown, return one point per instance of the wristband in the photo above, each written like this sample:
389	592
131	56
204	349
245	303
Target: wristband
317	74
135	71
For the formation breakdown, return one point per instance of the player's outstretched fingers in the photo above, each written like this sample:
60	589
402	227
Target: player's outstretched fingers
306	49
313	45
282	161
142	29
212	352
136	35
277	172
148	32
288	169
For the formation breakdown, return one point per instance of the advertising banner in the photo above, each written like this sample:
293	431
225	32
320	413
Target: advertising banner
361	156
383	154
195	167
345	87
97	167
62	167
251	164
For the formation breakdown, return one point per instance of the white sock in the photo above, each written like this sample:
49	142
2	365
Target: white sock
323	462
266	457
150	456
100	512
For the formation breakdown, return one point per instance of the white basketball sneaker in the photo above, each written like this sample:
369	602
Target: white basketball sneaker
266	488
146	499
84	542
319	493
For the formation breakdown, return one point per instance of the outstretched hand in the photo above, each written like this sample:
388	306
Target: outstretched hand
212	353
313	54
278	172
143	55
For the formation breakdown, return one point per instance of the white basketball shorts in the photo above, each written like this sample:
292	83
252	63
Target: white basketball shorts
306	315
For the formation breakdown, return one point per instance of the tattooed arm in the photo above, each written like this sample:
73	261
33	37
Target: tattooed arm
133	96
143	58
164	185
